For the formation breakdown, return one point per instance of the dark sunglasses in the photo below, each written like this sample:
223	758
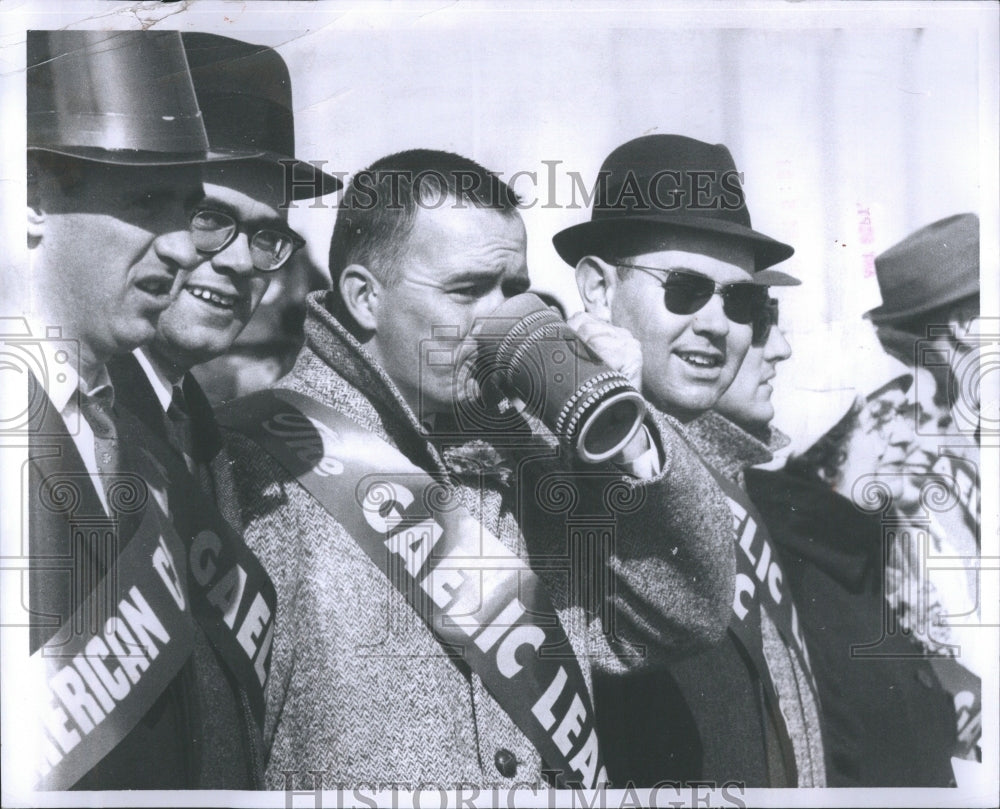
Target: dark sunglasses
764	322
213	230
684	293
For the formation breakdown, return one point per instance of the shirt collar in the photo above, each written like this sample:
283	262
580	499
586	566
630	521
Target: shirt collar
103	381
162	386
62	395
62	390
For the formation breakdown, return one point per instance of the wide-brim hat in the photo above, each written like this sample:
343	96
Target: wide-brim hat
118	97
245	95
937	265
662	183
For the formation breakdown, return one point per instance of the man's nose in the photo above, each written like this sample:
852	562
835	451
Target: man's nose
711	318
902	431
174	244
236	257
492	299
776	349
177	251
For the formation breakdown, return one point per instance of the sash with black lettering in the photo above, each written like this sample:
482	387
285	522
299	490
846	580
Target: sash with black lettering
232	597
760	583
482	602
210	576
109	662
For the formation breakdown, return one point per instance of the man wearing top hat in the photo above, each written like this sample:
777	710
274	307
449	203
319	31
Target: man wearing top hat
670	255
134	692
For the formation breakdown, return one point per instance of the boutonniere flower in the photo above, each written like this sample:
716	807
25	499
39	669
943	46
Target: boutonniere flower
477	458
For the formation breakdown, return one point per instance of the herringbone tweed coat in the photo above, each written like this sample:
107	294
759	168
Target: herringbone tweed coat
732	450
361	690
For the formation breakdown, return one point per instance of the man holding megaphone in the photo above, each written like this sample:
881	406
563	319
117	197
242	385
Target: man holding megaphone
452	491
670	255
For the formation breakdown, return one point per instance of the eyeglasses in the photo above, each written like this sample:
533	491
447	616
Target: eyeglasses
879	415
213	230
764	322
684	293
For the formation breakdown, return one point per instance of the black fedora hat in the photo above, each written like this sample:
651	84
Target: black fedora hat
245	95
659	183
119	97
935	266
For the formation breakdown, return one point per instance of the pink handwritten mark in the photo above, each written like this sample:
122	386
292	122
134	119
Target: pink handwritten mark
867	237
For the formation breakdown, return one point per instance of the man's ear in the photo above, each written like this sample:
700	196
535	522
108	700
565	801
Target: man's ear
36	209
359	290
36	224
597	282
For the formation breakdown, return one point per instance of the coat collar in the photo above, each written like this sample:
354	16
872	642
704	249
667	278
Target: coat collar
812	522
336	369
728	447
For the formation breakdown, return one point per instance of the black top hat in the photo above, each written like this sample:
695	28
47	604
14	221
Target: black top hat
937	265
245	95
667	182
122	97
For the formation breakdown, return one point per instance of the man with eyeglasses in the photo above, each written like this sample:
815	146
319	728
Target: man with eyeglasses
670	255
131	693
747	401
735	436
930	320
929	284
239	228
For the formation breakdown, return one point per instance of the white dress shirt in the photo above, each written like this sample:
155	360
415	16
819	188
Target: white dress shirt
63	396
162	386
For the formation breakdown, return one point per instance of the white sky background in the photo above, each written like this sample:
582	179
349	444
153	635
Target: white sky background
828	109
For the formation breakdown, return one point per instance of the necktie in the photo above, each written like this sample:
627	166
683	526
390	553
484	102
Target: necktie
97	409
179	427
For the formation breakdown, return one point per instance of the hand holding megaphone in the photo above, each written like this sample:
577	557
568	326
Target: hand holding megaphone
615	346
529	353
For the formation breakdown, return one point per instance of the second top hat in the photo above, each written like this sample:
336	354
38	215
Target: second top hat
245	95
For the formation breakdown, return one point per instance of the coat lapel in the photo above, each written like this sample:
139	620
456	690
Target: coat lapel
71	539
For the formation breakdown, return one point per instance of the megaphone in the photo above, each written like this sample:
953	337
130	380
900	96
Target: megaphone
530	354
